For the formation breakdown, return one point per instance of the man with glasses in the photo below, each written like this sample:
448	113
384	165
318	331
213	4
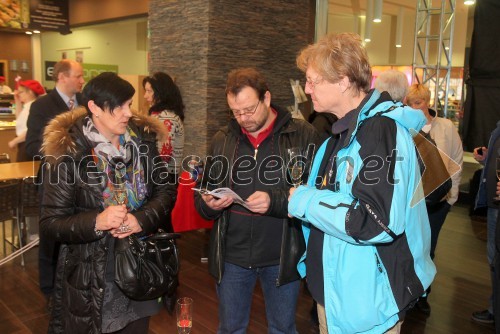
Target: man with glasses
258	241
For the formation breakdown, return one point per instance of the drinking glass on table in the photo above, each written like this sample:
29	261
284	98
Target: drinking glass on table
184	311
120	195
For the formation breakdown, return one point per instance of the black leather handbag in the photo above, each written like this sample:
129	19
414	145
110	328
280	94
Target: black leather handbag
147	269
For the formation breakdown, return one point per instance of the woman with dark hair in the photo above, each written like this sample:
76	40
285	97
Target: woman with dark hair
91	153
165	101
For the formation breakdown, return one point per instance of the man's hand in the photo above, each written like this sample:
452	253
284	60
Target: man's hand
217	204
480	154
258	202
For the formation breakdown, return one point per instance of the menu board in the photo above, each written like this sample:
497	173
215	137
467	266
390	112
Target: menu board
46	15
43	15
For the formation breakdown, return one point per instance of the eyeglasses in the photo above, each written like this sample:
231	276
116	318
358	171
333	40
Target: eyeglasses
313	83
247	111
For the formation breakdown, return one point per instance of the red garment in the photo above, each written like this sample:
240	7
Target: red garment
263	135
184	215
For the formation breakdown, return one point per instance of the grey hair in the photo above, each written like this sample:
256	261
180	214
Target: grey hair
394	82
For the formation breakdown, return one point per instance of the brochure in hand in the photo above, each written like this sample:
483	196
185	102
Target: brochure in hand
223	192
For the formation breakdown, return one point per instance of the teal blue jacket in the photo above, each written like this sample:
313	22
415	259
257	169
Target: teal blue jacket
376	246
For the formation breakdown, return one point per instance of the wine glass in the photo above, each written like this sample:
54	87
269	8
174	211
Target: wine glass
497	198
120	195
184	311
295	165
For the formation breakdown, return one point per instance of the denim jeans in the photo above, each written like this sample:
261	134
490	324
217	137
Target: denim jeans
491	222
235	298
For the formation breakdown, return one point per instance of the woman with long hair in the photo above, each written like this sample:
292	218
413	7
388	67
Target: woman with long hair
165	103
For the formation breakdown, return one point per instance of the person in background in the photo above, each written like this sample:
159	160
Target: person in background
487	156
68	75
362	229
28	91
165	103
250	156
322	123
393	82
4	89
444	133
102	138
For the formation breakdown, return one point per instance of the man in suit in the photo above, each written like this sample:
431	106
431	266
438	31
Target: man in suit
68	75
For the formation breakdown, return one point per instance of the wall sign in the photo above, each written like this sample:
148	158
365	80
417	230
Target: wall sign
89	70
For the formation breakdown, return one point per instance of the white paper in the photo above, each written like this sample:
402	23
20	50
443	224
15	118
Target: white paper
223	192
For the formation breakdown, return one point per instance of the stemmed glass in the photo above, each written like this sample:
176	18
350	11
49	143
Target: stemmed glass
120	195
296	165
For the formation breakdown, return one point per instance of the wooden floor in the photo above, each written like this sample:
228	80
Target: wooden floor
461	287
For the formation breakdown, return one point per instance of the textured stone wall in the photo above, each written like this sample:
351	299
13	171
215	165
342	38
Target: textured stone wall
200	41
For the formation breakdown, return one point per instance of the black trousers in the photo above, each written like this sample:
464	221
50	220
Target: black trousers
48	251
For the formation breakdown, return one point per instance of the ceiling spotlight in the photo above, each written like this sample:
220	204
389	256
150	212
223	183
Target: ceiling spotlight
29	33
377	13
469	2
36	31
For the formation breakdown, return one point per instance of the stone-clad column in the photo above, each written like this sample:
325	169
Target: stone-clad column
200	41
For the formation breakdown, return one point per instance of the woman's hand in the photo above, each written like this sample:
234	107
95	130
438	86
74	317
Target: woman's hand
111	217
480	154
12	144
132	224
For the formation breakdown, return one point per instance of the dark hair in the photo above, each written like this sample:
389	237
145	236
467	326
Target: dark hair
107	90
246	77
167	95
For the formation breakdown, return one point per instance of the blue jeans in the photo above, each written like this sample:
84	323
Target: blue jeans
235	298
491	221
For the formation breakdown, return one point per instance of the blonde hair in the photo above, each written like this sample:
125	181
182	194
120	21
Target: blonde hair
418	91
336	56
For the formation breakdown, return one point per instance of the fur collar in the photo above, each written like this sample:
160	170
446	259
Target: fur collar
60	135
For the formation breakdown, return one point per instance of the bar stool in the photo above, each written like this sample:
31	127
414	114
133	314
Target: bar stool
30	202
9	211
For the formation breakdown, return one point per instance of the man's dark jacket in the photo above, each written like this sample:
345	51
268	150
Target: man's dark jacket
42	110
287	132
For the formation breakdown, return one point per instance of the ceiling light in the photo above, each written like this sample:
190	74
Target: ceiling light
399	27
36	31
29	33
377	13
368	21
469	2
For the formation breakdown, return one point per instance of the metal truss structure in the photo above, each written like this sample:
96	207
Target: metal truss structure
434	26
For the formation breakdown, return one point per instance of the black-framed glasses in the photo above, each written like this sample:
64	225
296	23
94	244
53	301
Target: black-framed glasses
247	111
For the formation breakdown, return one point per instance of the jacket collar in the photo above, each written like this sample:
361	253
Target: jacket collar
63	135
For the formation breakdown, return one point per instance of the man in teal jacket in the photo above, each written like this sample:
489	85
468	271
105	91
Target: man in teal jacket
364	218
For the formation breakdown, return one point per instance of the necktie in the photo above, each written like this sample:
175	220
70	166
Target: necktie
71	104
